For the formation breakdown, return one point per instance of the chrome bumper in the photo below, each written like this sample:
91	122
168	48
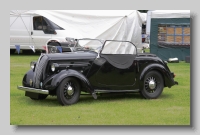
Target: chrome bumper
176	83
33	90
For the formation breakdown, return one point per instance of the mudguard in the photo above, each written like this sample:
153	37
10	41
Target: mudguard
57	79
28	78
168	80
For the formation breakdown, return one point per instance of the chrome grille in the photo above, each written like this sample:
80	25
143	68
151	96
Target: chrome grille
37	78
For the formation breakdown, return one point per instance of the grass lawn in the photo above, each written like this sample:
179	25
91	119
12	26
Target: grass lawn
171	108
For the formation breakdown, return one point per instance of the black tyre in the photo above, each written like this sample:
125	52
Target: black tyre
40	97
68	92
52	47
153	85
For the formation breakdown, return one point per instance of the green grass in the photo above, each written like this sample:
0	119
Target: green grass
147	50
171	108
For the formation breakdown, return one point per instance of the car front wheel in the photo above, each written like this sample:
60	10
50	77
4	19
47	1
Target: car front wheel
68	92
153	85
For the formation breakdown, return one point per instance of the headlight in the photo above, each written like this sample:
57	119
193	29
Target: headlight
32	65
54	66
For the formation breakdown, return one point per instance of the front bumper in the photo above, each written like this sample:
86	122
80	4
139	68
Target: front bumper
33	90
176	83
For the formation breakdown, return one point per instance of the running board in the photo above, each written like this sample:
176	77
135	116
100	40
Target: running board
96	91
105	91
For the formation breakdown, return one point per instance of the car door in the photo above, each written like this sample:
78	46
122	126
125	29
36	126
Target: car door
38	34
118	68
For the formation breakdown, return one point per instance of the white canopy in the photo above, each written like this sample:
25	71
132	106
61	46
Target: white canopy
101	24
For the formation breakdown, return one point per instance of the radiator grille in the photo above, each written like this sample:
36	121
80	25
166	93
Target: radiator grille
39	69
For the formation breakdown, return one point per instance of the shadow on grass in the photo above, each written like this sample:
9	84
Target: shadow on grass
51	101
84	99
166	96
109	97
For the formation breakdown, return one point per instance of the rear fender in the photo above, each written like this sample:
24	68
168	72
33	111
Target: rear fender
156	67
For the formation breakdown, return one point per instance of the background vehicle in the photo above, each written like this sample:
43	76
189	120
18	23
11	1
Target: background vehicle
95	66
43	29
38	31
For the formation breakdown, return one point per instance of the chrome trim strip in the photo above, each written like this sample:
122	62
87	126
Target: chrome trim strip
81	64
33	90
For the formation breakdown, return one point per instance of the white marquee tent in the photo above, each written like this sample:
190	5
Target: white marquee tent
101	24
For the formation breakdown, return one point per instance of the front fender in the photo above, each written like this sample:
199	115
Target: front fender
28	79
57	79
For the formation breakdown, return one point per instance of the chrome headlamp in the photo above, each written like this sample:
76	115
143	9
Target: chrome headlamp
54	67
32	65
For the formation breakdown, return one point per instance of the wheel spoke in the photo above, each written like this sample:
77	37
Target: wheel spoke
151	84
68	90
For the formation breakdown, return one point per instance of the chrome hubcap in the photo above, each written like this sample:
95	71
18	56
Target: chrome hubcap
151	84
68	90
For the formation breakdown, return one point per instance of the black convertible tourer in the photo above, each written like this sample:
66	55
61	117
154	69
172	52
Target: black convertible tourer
96	66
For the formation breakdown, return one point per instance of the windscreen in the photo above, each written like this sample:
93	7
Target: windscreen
119	47
89	44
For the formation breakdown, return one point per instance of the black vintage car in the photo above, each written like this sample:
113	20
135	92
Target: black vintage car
96	66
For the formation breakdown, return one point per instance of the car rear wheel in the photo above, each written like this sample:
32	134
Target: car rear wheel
153	85
68	92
